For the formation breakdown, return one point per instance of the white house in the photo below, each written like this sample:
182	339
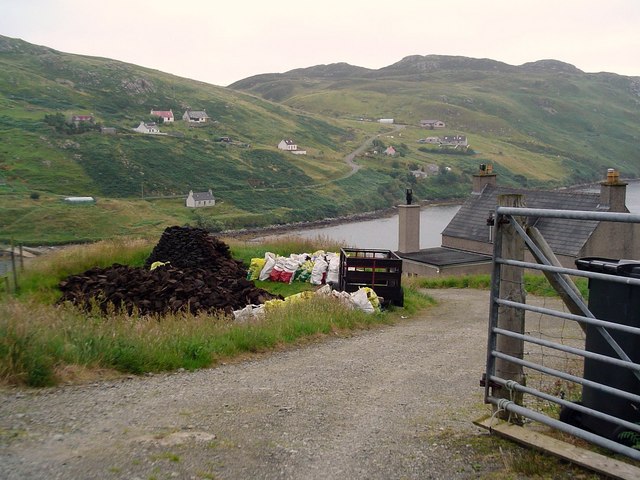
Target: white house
166	116
287	144
290	146
148	128
195	116
454	141
385	120
200	199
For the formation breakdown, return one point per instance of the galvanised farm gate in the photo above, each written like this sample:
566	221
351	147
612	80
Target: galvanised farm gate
573	367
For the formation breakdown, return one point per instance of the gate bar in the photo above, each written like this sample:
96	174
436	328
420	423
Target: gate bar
510	406
564	348
567	376
566	403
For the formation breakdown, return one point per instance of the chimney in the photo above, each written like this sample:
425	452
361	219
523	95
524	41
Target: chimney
408	228
484	177
613	192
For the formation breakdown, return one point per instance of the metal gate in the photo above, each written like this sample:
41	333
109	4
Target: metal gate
539	356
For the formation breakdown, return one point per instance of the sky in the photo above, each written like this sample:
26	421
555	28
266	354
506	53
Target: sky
220	42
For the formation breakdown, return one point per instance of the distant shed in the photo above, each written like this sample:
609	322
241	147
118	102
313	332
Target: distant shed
77	200
386	120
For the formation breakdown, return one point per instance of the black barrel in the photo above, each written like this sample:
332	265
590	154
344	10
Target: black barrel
618	303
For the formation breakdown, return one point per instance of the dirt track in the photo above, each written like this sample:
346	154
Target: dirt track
393	402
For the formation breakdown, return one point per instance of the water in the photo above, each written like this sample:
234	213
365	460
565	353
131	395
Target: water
382	233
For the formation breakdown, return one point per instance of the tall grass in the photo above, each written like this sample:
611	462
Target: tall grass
43	345
533	284
40	279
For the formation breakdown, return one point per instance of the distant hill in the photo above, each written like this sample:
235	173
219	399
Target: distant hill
545	119
544	123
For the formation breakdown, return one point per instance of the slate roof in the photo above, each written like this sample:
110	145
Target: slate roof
202	196
443	256
566	237
197	114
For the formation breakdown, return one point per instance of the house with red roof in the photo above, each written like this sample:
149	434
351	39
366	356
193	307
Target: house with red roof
165	115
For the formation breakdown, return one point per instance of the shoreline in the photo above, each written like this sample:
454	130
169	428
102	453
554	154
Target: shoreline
257	233
253	234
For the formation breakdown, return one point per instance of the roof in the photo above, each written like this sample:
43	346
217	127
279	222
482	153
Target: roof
565	236
82	117
288	141
430	121
202	196
443	256
197	114
162	113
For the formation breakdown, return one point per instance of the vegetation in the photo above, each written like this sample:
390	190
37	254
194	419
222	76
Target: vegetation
533	284
42	343
537	128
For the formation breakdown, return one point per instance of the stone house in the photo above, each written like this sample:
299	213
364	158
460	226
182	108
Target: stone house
431	124
200	199
195	116
467	241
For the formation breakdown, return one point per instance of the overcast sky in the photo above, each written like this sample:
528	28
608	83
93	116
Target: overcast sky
220	42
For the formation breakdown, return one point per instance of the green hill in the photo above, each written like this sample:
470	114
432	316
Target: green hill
544	120
44	158
544	123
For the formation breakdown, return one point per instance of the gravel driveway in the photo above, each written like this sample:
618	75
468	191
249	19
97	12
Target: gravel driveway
392	402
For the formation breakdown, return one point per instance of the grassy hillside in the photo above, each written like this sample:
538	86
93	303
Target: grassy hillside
546	121
540	124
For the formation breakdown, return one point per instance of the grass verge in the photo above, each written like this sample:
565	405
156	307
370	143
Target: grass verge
43	344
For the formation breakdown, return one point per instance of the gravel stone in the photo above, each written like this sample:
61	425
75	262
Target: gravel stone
389	403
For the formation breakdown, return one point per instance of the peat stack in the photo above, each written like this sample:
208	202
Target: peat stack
187	247
201	277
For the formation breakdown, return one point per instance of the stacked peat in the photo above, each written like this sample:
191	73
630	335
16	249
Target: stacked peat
200	276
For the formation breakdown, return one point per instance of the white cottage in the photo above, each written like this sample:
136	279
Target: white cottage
290	146
200	199
148	128
165	115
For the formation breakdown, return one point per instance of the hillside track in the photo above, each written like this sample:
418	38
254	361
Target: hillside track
392	402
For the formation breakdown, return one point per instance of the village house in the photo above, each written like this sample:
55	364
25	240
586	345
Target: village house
467	241
200	199
291	147
107	130
195	116
78	119
431	124
454	141
390	151
148	128
166	116
385	120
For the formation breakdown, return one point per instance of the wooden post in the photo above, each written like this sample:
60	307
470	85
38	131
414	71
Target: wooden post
13	267
512	319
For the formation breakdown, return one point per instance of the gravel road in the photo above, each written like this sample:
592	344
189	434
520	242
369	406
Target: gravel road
389	403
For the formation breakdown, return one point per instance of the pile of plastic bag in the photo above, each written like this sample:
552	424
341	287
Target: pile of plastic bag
317	268
364	299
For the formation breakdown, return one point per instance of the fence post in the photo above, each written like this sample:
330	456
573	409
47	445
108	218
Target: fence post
13	267
511	288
